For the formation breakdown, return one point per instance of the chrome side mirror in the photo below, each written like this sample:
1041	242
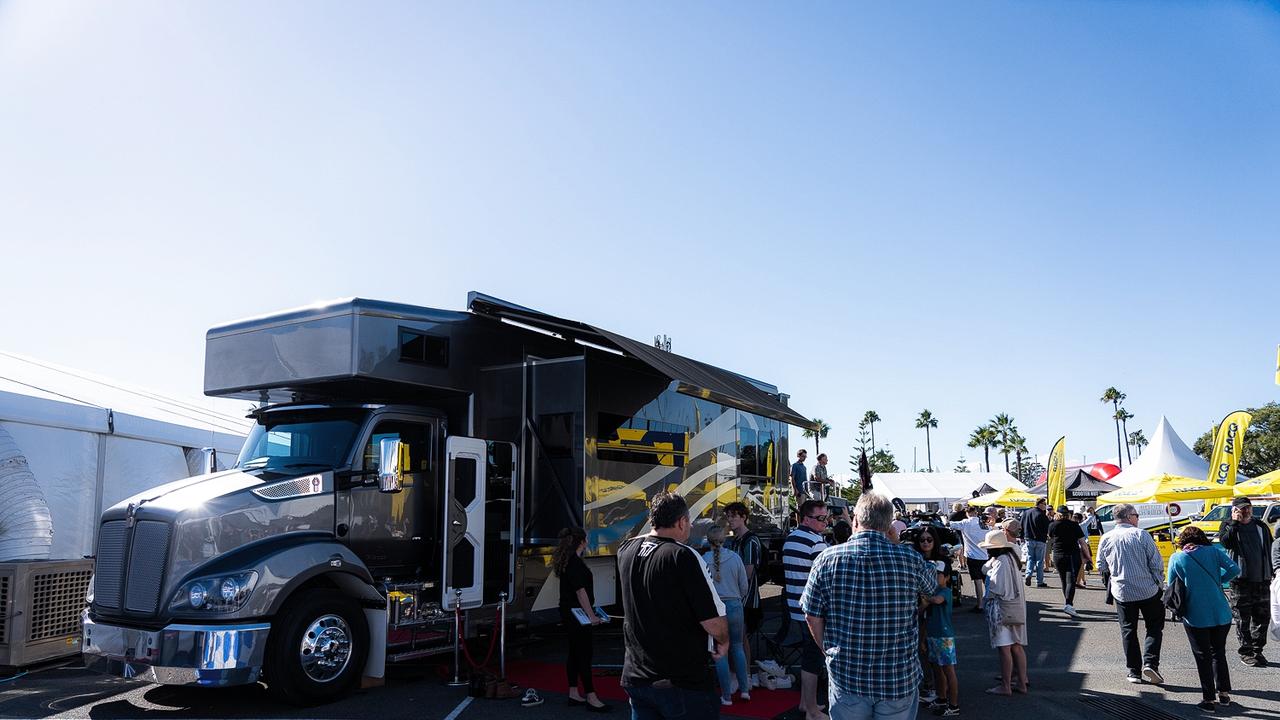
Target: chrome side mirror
209	458
390	474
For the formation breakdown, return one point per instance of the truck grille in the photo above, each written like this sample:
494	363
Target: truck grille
138	582
146	566
108	575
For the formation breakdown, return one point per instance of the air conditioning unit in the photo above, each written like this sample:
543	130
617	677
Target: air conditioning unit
40	604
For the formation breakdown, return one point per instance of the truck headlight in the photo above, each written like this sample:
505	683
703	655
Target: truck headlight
216	594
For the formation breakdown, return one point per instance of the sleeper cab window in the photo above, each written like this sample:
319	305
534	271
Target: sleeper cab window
419	347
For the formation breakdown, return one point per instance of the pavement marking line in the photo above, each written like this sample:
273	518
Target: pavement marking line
458	710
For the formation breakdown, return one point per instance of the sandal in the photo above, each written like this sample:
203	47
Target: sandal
998	690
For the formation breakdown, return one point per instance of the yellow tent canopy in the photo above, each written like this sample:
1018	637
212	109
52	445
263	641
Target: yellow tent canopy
1009	497
1268	484
1164	489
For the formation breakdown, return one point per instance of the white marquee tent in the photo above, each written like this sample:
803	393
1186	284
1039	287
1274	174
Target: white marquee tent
1166	453
941	488
72	445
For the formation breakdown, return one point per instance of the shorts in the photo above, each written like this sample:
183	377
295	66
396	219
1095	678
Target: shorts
753	618
942	651
811	658
975	569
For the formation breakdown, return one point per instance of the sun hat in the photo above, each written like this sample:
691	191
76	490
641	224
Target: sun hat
995	539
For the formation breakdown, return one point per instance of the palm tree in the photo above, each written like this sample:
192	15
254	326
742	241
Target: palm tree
1114	397
984	437
821	432
1002	425
871	417
926	421
1138	440
1124	416
1019	445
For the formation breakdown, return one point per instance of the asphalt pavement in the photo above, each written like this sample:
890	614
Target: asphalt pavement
1076	670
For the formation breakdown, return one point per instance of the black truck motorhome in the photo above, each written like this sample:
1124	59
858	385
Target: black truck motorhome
405	461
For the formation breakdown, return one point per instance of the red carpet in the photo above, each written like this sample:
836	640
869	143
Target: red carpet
549	677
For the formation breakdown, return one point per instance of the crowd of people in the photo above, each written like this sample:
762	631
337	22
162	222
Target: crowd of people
875	599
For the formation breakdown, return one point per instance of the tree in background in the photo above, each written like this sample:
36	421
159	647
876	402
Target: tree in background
1003	427
1124	416
961	466
1138	440
1031	473
1115	397
871	417
863	446
925	421
1260	452
821	432
986	438
882	461
1018	445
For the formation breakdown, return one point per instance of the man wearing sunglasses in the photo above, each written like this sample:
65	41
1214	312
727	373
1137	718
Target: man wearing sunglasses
798	552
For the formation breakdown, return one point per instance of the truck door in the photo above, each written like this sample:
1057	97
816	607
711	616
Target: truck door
393	533
464	516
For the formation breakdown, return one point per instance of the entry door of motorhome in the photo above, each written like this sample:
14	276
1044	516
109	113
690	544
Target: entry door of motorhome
464	522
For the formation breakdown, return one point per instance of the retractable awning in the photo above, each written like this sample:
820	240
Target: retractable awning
692	377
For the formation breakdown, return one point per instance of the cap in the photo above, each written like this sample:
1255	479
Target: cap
1241	502
1064	509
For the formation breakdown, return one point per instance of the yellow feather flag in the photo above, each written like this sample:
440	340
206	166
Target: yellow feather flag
1057	474
1228	442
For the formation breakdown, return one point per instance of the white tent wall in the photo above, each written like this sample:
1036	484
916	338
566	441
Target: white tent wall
938	488
132	466
65	464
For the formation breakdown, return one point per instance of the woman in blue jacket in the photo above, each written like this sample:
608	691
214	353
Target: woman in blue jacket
1203	568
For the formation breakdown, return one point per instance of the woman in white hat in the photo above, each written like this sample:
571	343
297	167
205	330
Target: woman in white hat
1006	611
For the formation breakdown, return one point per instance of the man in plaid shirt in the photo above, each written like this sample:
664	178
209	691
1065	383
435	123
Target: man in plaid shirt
860	603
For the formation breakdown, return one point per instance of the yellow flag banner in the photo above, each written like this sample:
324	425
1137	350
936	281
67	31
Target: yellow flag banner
1057	474
1228	442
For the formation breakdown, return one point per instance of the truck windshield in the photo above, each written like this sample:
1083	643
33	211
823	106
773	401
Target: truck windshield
293	443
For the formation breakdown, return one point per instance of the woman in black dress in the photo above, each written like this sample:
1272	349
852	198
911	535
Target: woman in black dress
577	591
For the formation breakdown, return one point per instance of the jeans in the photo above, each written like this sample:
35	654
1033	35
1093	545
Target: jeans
672	703
1251	606
1152	612
1209	647
1035	560
845	706
1068	566
733	612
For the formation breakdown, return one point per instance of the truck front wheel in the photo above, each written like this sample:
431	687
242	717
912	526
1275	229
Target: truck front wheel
317	649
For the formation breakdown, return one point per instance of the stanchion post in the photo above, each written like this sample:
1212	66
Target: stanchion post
502	635
457	640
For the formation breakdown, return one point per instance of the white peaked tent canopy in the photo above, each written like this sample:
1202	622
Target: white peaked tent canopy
942	488
1167	454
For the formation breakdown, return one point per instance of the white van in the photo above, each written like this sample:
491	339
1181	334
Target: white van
1153	515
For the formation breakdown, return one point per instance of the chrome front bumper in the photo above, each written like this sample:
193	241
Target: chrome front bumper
208	655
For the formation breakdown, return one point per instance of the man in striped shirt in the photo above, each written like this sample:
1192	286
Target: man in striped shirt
1129	556
798	552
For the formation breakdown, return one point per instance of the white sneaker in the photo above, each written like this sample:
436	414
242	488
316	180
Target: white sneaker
1070	611
755	680
744	697
727	702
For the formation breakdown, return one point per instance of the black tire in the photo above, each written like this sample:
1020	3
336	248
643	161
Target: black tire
321	670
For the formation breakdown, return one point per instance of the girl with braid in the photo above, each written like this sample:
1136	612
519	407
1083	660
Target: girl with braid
729	576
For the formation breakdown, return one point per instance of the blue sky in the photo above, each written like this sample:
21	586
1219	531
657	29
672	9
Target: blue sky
974	208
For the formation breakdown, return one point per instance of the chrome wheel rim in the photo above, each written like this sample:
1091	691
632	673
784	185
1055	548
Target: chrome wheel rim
326	648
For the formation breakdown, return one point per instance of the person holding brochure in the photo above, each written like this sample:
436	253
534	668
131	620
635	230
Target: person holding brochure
730	578
577	602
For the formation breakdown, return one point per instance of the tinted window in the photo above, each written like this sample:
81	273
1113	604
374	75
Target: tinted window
422	348
293	443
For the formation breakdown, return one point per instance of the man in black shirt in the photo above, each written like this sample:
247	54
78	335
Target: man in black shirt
1246	540
1035	533
673	619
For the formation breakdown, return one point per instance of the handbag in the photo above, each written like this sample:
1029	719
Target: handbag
1014	610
